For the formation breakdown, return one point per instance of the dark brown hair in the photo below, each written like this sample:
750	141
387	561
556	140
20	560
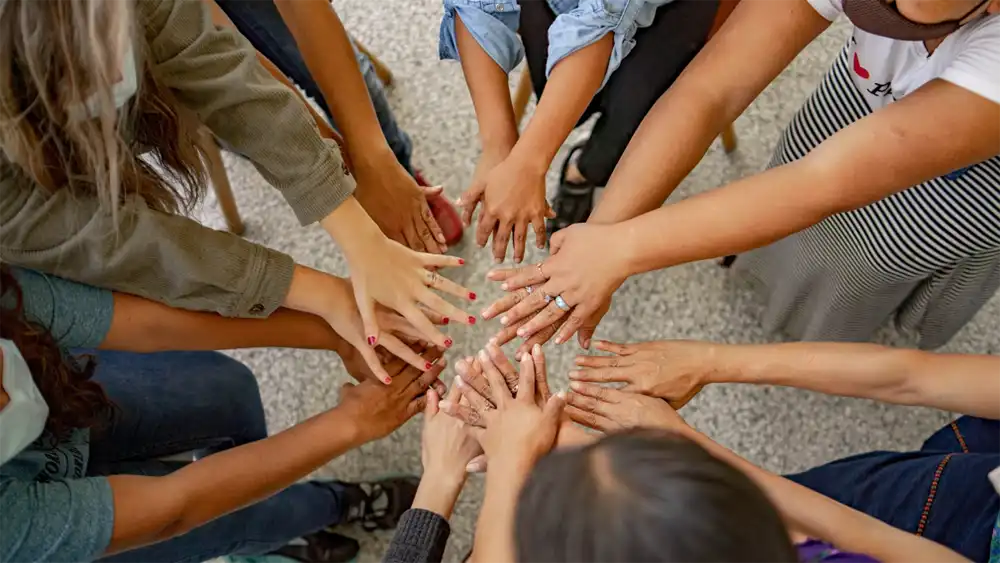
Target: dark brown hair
645	495
74	400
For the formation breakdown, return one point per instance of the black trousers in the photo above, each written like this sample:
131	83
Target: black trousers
661	52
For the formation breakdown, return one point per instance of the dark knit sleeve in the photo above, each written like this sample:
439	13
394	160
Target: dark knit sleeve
420	537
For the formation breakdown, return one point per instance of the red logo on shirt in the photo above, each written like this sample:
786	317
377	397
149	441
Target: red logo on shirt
860	70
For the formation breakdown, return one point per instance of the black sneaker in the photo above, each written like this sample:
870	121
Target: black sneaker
320	547
378	505
573	202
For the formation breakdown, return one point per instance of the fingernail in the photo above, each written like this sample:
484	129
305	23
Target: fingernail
493	341
448	342
371	341
486	314
586	344
483	355
460	261
574	374
497	260
559	340
387	381
445	320
520	332
441	239
472	320
445	405
536	349
428	366
472	295
474	467
504	286
459	381
503	320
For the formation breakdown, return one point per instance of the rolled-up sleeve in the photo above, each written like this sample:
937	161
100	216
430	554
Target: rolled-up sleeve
591	20
493	24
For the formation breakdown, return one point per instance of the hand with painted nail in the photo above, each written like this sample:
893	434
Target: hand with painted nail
673	370
608	409
513	198
332	298
447	447
381	409
510	428
573	285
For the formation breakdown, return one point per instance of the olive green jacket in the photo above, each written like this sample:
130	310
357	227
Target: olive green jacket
170	258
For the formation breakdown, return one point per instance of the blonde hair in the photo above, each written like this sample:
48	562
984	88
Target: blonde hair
55	55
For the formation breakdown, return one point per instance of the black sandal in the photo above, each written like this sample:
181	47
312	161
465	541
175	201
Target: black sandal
378	505
320	547
573	202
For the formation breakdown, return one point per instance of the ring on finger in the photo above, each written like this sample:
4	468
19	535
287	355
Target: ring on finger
546	297
561	303
540	272
432	278
529	289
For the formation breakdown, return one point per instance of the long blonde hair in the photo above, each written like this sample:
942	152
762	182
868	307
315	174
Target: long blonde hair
57	54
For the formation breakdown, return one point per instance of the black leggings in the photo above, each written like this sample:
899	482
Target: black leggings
661	52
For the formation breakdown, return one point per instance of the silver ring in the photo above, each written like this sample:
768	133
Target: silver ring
529	289
547	298
561	303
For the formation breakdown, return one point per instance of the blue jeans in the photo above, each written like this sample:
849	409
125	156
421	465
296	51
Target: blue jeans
261	23
175	402
940	492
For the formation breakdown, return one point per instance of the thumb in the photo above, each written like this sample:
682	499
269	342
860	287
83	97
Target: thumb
433	399
554	408
584	335
431	191
366	308
556	241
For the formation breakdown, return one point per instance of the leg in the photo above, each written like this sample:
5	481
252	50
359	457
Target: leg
261	23
661	53
173	402
943	495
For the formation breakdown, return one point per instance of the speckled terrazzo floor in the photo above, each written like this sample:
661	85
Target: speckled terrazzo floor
781	429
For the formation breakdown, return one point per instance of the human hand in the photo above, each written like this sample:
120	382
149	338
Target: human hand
447	446
608	409
543	335
673	370
517	430
473	195
585	284
397	204
332	298
381	409
387	272
513	199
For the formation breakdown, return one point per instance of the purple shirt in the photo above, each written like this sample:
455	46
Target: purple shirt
811	551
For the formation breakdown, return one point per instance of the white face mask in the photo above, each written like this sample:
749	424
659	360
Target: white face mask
23	419
122	91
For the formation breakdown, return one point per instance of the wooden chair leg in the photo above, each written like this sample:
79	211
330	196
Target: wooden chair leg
382	71
522	95
223	189
729	139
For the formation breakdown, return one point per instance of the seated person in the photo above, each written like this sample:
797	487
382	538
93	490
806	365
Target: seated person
651	468
612	58
82	439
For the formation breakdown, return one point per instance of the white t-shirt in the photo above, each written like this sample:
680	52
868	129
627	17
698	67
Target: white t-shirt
885	70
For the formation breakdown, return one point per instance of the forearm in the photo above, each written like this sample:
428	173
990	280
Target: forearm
487	84
569	90
152	509
968	384
824	518
327	51
494	539
141	325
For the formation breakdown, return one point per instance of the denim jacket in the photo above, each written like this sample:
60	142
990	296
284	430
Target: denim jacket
579	23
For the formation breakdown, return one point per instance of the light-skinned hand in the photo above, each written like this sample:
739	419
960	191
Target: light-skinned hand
608	409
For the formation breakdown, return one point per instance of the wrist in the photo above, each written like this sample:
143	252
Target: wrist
532	160
625	237
351	226
353	428
372	156
439	490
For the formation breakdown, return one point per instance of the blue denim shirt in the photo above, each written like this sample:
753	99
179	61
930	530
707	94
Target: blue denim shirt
579	23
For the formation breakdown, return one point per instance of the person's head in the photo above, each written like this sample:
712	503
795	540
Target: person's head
73	399
645	495
79	104
916	20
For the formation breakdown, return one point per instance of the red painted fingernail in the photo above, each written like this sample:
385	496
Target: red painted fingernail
472	295
428	365
387	381
371	341
472	320
445	320
461	262
448	342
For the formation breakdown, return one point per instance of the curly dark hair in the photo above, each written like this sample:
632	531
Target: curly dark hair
74	400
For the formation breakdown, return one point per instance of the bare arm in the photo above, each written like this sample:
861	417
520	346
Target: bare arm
890	150
824	518
487	84
965	383
726	76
